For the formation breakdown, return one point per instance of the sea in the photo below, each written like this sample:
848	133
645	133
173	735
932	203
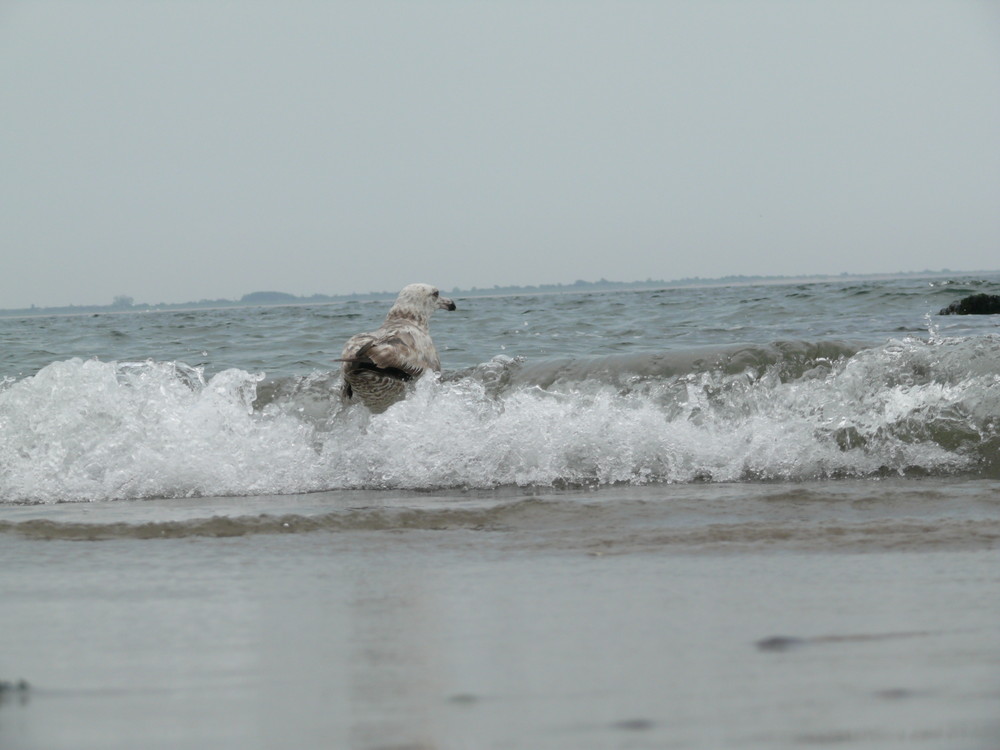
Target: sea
746	515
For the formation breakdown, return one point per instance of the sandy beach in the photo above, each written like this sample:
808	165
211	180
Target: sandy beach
549	626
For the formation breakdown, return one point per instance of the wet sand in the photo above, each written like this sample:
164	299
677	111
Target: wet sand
540	631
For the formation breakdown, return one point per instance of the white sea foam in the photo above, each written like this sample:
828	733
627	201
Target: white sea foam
83	430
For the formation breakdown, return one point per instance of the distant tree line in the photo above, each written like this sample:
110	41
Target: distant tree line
125	303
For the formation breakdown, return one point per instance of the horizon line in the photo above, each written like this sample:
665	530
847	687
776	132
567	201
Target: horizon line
264	298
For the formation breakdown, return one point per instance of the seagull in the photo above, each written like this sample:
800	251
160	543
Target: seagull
377	366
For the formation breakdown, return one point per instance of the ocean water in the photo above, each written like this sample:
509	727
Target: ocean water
731	384
757	515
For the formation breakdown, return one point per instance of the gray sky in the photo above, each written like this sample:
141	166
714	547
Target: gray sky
175	151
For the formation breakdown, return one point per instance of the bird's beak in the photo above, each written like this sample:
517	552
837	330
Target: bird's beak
445	304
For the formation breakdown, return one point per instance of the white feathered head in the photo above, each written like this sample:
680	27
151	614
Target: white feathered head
416	302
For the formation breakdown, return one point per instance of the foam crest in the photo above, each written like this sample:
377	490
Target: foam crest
910	407
84	430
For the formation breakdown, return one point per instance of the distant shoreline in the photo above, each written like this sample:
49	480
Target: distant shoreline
282	299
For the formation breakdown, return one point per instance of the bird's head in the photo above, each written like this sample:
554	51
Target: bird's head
417	301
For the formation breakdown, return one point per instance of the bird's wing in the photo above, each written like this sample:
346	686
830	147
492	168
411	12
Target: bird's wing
403	347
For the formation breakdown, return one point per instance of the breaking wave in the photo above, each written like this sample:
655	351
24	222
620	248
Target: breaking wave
91	430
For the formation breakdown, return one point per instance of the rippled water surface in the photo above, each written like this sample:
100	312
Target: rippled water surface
721	384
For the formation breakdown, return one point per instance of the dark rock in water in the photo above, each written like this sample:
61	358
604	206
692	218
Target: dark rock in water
975	304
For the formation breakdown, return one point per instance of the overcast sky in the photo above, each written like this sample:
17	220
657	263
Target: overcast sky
175	151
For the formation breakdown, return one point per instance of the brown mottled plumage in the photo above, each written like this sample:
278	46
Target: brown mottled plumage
377	365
